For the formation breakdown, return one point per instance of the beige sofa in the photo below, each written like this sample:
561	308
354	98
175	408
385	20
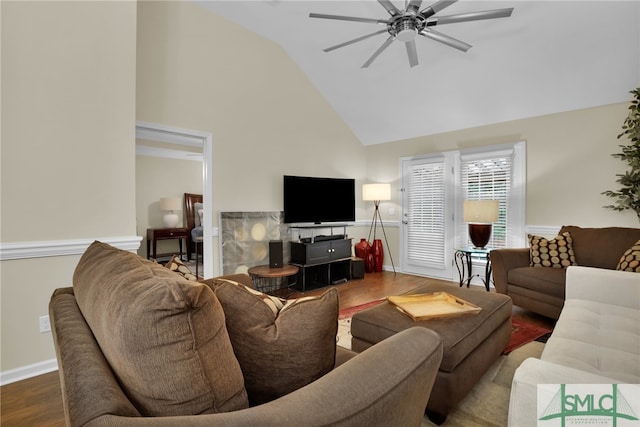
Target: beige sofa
542	289
595	341
138	345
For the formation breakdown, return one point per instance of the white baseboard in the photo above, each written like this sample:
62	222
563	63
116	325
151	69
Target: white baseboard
29	371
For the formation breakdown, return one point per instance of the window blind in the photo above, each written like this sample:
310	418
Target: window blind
426	214
488	177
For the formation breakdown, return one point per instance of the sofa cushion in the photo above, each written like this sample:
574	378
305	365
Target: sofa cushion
547	281
598	338
163	336
630	260
556	253
279	350
601	247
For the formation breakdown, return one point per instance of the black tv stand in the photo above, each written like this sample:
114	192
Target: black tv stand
322	260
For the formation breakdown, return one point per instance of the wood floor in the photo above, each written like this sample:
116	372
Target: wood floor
38	401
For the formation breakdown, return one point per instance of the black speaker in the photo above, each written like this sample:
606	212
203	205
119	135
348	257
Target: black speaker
357	268
275	253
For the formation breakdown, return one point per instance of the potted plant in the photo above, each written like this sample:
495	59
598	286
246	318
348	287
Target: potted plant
628	197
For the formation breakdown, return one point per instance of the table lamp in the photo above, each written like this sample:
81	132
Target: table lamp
480	214
170	205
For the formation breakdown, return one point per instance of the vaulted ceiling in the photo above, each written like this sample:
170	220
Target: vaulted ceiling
548	57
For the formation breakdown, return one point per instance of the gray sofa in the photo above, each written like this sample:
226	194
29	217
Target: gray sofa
542	289
134	341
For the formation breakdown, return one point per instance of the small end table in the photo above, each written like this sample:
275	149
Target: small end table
466	255
270	280
155	234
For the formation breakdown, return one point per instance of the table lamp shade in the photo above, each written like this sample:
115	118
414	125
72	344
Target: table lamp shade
480	211
480	214
376	192
170	204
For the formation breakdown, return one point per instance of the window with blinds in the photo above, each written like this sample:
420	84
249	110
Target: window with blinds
426	214
487	176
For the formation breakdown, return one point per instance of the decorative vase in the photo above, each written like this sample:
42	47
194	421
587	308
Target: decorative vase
378	255
369	263
362	248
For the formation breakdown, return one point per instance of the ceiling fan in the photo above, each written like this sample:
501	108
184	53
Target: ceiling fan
405	25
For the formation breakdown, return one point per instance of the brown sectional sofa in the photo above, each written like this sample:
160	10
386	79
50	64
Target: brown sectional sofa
137	345
542	289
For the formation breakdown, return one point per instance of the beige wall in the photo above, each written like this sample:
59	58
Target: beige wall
68	164
265	116
569	162
158	177
569	165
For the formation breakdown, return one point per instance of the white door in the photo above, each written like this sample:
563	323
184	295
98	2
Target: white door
427	208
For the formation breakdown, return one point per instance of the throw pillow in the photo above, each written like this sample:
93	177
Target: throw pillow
281	345
176	265
164	337
555	253
630	260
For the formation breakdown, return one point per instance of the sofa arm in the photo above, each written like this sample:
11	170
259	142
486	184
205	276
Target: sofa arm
89	388
388	384
605	286
534	373
503	260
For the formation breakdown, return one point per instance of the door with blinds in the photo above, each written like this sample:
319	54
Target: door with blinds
427	224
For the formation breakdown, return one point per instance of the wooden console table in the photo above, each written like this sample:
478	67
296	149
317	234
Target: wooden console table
155	234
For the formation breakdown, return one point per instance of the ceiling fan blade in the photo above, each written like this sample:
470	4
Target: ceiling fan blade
390	7
414	5
471	16
442	38
412	53
378	52
348	18
338	46
436	7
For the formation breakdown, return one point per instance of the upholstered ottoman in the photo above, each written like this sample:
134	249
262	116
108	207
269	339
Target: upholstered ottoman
471	342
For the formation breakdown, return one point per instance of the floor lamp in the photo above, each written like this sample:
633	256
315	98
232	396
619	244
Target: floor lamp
378	193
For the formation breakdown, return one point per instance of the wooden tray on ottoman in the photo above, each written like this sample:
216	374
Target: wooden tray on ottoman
433	306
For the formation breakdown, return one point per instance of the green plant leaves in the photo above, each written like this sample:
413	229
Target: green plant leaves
628	197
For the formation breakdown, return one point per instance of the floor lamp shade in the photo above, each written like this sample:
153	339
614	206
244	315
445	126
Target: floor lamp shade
170	205
480	214
376	192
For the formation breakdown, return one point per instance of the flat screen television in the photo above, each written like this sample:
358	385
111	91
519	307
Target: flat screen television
319	200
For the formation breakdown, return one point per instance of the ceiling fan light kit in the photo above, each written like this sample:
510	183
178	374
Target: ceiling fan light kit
405	25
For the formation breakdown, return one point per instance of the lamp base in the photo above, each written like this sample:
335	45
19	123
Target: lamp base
171	220
480	235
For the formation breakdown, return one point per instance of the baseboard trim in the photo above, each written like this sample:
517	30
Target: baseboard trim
29	371
49	248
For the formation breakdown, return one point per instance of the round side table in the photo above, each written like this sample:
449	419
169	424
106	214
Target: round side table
271	280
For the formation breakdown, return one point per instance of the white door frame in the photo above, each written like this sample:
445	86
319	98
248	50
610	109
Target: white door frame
191	138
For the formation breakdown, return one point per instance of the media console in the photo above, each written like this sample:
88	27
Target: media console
321	260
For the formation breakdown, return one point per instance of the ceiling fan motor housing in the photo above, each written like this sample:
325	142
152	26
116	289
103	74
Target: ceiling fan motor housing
406	27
